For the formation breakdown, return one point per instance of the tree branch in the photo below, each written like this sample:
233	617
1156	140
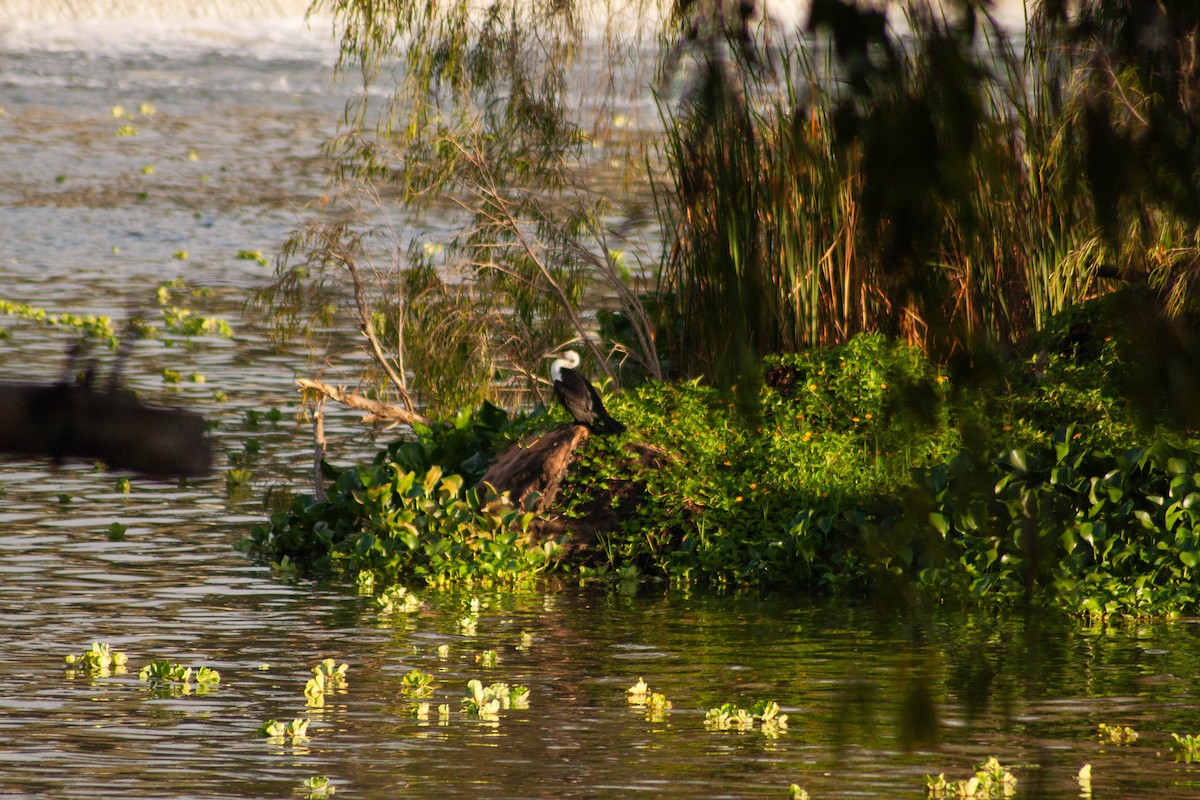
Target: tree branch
376	410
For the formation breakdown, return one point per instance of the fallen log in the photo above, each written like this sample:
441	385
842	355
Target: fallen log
78	421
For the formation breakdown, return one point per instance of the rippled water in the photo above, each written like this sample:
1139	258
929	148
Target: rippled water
876	698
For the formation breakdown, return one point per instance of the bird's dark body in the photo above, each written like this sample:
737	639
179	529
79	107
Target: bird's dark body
583	403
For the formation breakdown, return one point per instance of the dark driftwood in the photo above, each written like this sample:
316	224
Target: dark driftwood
79	421
536	465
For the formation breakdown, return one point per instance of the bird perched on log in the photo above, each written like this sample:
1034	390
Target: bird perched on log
579	397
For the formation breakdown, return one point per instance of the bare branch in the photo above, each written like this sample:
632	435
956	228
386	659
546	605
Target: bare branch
377	411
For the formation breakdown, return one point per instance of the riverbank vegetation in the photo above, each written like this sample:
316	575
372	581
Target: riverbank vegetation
920	326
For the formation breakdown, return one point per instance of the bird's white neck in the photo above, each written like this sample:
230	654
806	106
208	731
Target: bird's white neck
569	359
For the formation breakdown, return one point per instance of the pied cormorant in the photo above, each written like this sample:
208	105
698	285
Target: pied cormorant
579	397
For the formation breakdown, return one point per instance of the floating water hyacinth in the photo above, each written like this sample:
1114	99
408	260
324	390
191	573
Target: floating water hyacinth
327	678
1117	734
177	678
1186	748
992	781
763	715
296	730
397	600
416	684
99	660
486	702
655	703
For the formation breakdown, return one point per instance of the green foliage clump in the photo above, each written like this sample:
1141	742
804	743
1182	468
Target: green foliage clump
856	479
399	524
416	512
992	781
1093	532
100	660
838	428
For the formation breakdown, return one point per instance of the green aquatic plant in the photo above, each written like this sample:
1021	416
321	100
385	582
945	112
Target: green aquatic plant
486	702
763	715
416	683
992	781
99	660
1186	748
177	678
797	793
253	255
296	730
1084	778
637	693
397	600
404	526
317	787
655	704
488	659
88	327
236	477
1117	734
328	678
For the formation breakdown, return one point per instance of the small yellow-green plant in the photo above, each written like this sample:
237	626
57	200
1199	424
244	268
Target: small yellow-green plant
296	730
327	677
416	684
1186	748
1117	734
178	678
488	658
655	703
252	255
99	661
763	715
486	702
396	600
796	793
992	781
317	787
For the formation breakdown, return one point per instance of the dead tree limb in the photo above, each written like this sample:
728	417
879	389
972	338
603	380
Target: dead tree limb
376	410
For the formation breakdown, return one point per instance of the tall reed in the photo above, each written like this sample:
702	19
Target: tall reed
791	195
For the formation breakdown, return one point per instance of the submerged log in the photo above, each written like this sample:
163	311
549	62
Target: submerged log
78	421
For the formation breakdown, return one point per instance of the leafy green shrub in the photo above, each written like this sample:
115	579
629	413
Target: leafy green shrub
397	524
465	446
1086	530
